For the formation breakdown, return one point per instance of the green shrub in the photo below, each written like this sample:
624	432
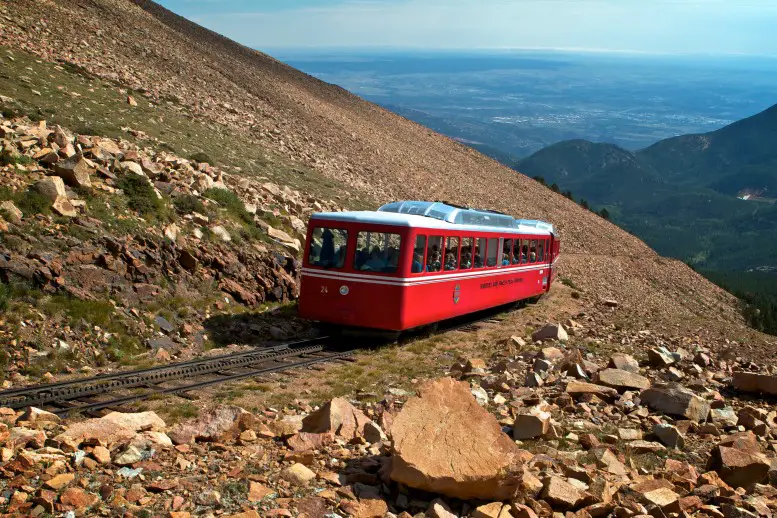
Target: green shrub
187	204
201	157
5	296
230	201
32	202
8	157
142	198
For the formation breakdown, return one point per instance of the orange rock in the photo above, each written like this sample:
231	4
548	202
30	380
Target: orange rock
77	498
444	442
337	417
258	492
59	481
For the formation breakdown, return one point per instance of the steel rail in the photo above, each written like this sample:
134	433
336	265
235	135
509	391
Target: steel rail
57	392
100	405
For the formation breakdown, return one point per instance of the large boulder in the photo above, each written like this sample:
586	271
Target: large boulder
64	207
623	380
579	388
737	467
444	442
337	417
113	428
51	188
220	424
74	171
676	400
754	382
551	332
624	362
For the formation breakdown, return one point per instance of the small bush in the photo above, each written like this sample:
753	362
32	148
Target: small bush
566	281
5	296
32	202
142	198
8	157
187	204
230	201
201	157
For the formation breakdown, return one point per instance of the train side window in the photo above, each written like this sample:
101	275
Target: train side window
466	254
524	251
328	247
533	251
493	249
478	258
376	252
541	251
418	254
434	254
507	253
451	254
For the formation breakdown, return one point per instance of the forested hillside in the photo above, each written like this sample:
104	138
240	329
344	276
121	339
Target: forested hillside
681	194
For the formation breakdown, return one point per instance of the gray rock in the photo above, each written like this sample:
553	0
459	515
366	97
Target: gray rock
669	435
624	362
551	332
623	380
676	400
164	324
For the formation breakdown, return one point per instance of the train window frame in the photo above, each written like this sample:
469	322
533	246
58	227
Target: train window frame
508	242
457	255
468	241
342	252
423	255
524	251
384	240
429	243
480	242
493	243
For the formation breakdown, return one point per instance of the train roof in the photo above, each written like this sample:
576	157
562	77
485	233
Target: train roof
440	215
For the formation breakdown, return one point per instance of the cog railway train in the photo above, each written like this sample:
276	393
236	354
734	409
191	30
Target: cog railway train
415	263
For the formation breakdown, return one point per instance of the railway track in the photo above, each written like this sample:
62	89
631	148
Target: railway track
113	390
88	394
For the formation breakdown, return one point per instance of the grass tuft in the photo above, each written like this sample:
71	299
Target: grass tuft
142	198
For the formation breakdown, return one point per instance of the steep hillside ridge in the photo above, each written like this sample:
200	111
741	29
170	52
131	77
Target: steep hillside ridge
605	172
173	62
710	156
680	194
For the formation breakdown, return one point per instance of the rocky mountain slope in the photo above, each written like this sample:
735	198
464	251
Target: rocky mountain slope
155	180
680	193
252	102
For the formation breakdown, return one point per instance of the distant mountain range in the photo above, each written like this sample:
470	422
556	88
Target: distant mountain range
708	199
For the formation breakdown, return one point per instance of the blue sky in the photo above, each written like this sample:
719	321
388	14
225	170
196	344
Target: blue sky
653	26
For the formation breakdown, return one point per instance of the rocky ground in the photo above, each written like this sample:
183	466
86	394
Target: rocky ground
111	252
541	430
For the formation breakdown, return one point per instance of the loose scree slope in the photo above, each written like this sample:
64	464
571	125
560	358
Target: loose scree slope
359	146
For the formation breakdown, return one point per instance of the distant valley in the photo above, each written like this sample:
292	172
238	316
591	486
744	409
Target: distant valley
510	104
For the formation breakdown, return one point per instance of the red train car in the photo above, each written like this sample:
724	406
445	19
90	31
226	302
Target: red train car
414	263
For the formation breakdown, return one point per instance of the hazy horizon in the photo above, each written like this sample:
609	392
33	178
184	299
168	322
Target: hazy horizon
661	27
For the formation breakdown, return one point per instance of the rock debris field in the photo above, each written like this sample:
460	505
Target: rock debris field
540	430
